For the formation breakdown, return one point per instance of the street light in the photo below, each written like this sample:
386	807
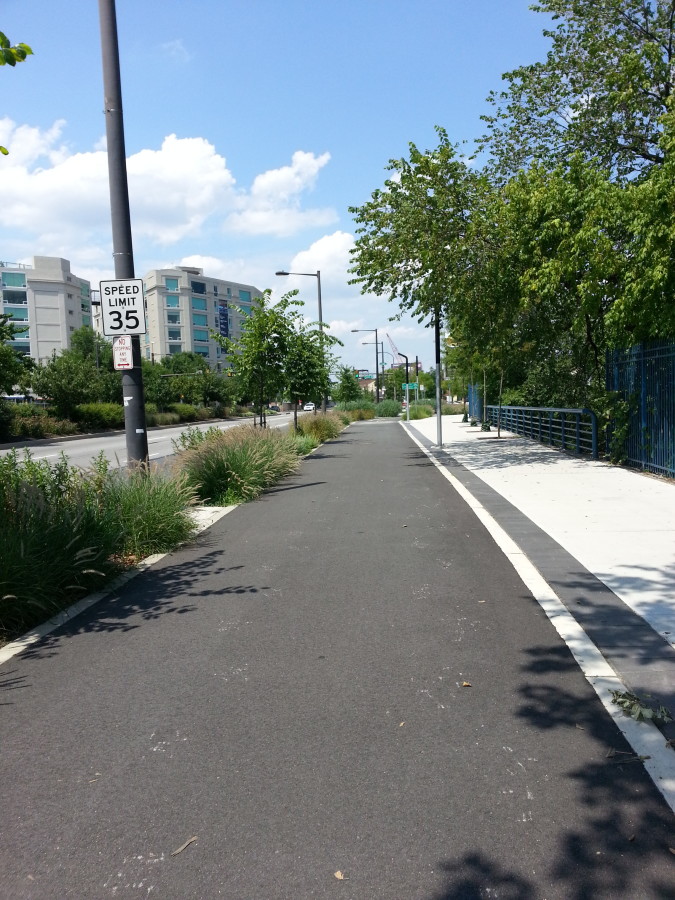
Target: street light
377	361
316	275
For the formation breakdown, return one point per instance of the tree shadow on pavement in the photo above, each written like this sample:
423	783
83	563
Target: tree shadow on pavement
514	452
475	877
10	682
619	844
153	594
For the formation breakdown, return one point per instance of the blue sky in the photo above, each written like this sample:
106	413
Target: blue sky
251	127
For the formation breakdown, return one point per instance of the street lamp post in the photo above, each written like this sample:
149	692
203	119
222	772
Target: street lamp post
407	396
377	361
316	275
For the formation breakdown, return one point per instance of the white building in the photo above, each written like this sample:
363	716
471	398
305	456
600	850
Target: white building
47	301
184	305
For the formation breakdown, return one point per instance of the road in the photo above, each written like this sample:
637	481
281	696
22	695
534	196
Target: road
341	690
82	450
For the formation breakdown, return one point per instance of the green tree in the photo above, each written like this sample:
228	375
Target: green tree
347	387
601	91
66	381
14	367
258	356
305	367
10	56
410	232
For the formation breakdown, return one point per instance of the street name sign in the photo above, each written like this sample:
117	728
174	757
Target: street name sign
123	357
122	307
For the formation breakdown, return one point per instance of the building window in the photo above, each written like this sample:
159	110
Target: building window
245	296
171	284
172	300
173	318
198	319
203	351
10	296
174	334
215	290
86	320
200	335
17	312
175	348
198	303
13	279
197	287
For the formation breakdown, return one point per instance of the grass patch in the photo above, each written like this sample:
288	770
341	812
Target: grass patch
388	409
320	427
236	465
67	532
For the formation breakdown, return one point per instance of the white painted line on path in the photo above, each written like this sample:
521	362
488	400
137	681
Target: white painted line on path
644	737
205	517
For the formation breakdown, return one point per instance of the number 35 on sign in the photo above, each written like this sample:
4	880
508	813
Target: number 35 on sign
123	307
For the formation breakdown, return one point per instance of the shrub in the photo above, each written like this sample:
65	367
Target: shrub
162	418
61	427
452	409
388	408
67	531
351	405
100	416
420	411
6	420
321	427
359	415
238	464
186	411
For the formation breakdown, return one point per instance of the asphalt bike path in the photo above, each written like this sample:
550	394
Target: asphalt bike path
341	690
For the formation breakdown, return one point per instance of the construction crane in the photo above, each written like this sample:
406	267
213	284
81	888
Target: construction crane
398	359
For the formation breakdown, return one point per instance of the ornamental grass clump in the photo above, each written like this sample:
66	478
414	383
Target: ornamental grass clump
320	427
237	465
387	409
66	532
421	411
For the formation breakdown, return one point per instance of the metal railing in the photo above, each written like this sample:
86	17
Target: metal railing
572	430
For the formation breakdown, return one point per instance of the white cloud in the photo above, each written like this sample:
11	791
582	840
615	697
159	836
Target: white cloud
174	190
176	51
273	204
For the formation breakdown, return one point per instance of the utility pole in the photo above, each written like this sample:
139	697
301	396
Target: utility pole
123	255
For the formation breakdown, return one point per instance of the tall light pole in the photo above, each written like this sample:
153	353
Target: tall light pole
316	275
132	380
377	361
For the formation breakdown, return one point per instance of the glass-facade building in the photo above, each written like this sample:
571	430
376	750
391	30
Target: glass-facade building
46	302
184	307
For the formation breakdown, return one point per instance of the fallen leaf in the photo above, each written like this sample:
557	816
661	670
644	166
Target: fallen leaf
581	728
672	850
466	684
183	846
339	875
401	725
632	837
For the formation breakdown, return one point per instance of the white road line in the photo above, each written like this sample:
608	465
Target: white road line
644	737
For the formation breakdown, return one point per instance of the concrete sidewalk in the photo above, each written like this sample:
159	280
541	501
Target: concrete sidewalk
618	524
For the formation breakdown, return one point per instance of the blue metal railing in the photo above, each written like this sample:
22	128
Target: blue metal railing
644	376
572	430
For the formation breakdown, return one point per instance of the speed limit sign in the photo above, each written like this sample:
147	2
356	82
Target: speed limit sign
122	307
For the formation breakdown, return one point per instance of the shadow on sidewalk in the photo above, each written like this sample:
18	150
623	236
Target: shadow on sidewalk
153	594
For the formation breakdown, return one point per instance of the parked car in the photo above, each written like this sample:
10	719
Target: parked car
309	407
274	407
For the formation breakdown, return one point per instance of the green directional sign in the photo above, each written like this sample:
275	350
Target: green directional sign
410	386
